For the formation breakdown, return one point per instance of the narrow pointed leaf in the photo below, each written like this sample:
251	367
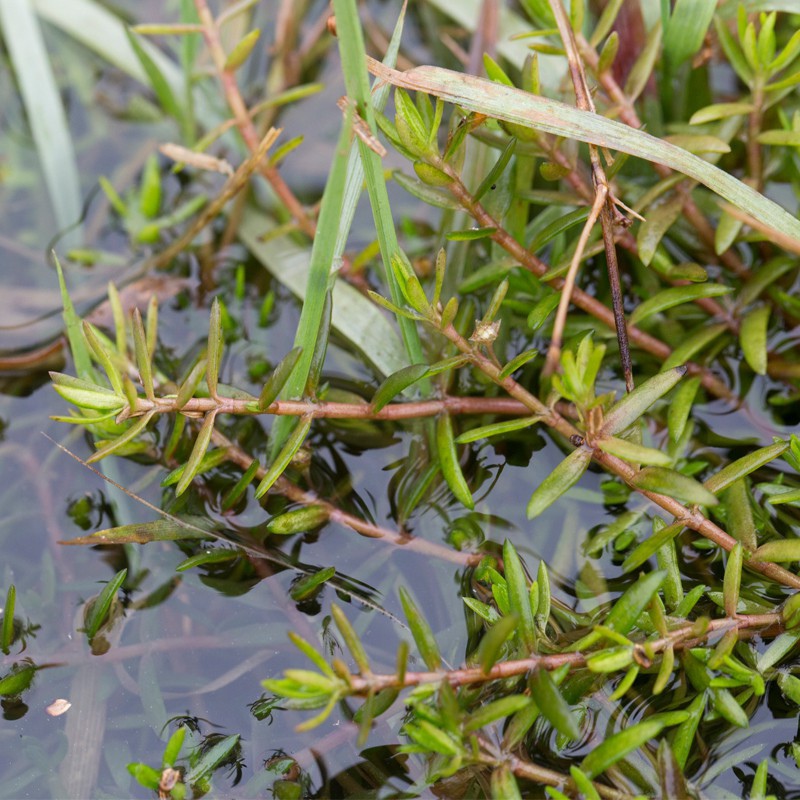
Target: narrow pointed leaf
421	631
695	342
198	451
496	710
284	457
189	386
629	607
552	704
650	546
142	356
396	383
309	584
744	466
491	645
160	530
619	745
519	603
680	407
242	50
627	410
214	352
448	458
565	475
299	520
496	429
753	338
278	377
732	581
778	551
7	631
778	650
675	484
98	609
677	295
634	453
726	706
103	357
128	436
351	638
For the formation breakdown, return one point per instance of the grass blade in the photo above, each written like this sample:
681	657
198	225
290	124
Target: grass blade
45	113
522	108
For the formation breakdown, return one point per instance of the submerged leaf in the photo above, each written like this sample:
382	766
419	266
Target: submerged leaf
565	475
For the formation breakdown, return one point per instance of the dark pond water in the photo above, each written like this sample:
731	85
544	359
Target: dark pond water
196	644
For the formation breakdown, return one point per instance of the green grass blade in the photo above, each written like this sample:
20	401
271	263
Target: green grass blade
49	126
522	108
351	48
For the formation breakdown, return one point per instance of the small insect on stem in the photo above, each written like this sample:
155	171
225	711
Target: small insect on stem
360	128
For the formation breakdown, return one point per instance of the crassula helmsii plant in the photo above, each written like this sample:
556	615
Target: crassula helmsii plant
606	260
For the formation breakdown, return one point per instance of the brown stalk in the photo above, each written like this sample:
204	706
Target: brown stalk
327	410
684	637
245	124
603	202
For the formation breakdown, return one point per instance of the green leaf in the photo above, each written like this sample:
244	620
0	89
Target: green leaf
430	737
498	709
215	556
32	64
778	650
619	745
726	706
351	639
396	383
156	78
284	457
634	453
214	350
518	601
448	459
421	631
611	660
650	546
491	645
173	748
728	228
17	681
740	514
753	338
790	686
627	410
674	484
503	783
128	436
683	739
552	704
744	466
104	357
189	386
718	111
628	608
732	581
778	551
97	609
7	631
496	171
516	363
680	407
565	475
781	138
142	355
211	759
660	218
161	530
792	496
470	234
675	296
198	452
278	377
241	51
496	429
299	520
695	341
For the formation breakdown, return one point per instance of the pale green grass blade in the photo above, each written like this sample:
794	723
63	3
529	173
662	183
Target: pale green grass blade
49	126
355	317
354	66
513	105
104	33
